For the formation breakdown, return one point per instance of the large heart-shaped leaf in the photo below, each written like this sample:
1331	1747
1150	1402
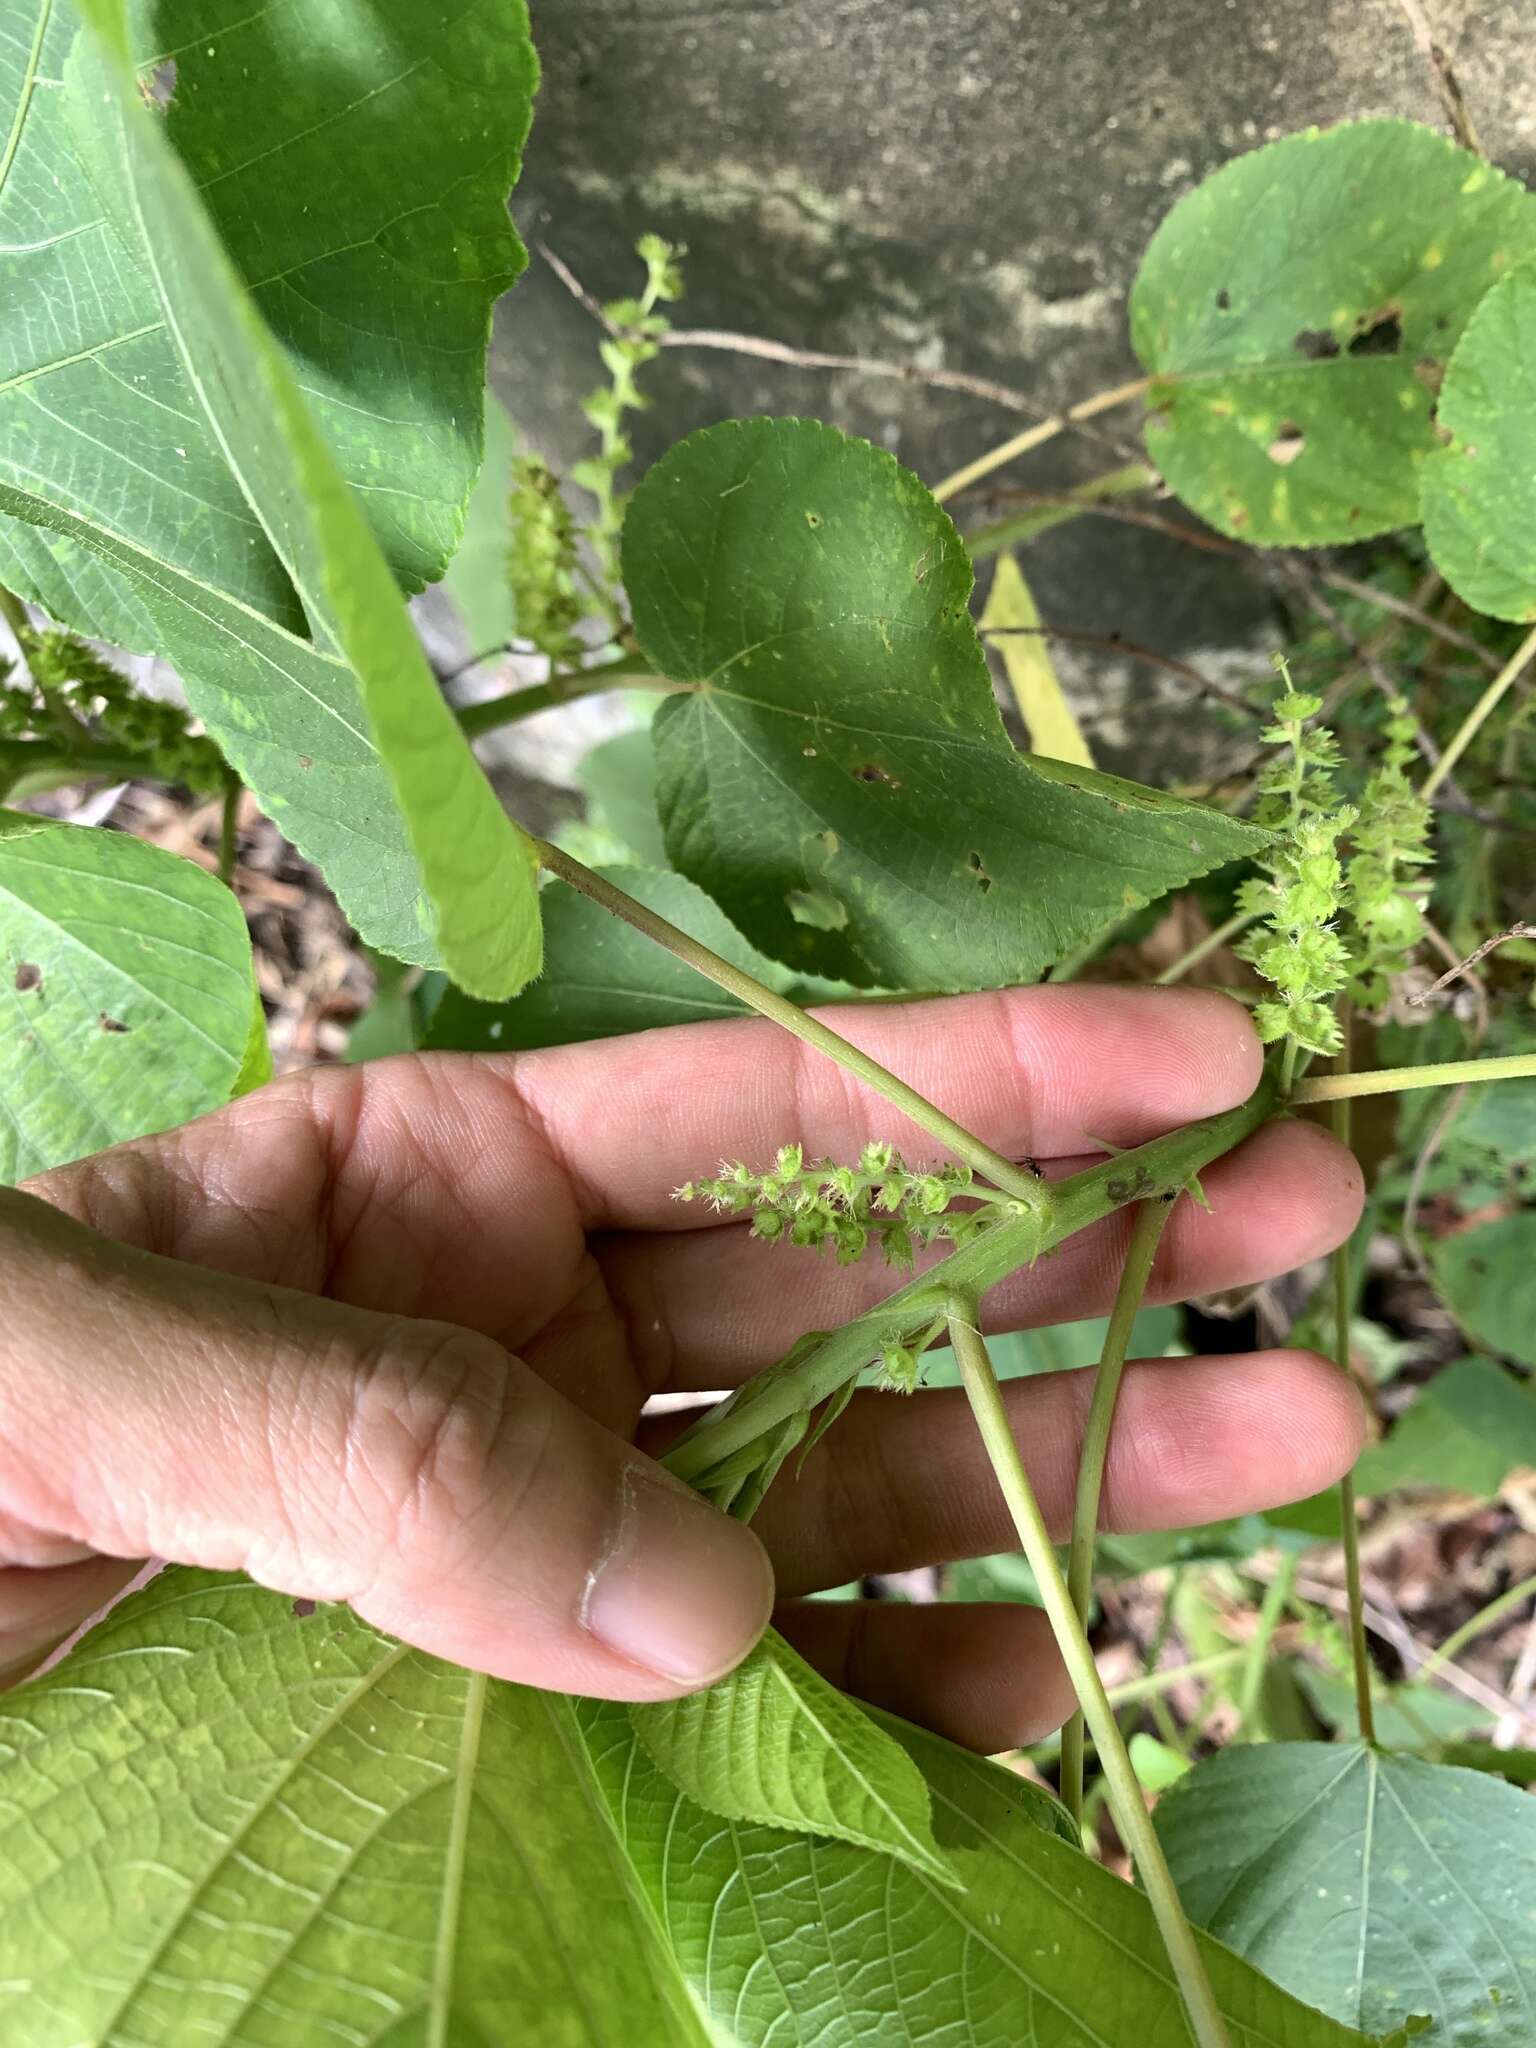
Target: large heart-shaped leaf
1296	311
1375	1887
125	978
219	1820
345	738
1480	487
840	780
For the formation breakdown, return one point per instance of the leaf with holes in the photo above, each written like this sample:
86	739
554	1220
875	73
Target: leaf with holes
840	780
1480	487
125	974
131	332
1296	312
1377	1888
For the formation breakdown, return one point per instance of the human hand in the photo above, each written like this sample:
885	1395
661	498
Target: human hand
386	1335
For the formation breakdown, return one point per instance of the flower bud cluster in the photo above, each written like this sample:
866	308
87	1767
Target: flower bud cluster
845	1209
74	699
1297	946
1391	842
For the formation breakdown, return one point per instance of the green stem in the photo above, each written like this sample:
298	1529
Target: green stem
1481	711
1520	1066
1485	1617
1125	1800
812	1373
1156	1683
1031	1193
1256	1656
1072	504
1146	1233
1036	437
14	612
229	828
627	673
1239	921
1349	1515
1288	1067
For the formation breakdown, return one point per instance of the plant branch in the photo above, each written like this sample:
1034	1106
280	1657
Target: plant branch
1519	930
1116	643
1146	1233
1032	1195
1481	711
1256	1656
1446	84
812	1373
1125	1800
1037	436
1238	922
1055	508
475	720
1349	1513
14	612
1520	1066
1458	1639
732	343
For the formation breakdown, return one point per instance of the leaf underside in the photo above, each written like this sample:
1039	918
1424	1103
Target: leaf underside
840	780
1298	309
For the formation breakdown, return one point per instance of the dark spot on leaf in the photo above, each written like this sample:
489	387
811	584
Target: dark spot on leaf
306	760
978	868
303	1609
1381	333
112	1023
813	519
157	88
1315	343
1430	374
1288	443
1239	515
873	772
29	976
1223	300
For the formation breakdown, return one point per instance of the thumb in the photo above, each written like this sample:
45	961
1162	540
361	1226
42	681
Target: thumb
414	1470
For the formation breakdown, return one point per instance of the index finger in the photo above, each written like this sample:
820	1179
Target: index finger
1034	1072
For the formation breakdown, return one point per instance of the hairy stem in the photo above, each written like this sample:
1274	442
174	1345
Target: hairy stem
1036	437
1146	1234
1125	1800
1239	921
1349	1516
1520	1066
1030	1193
1481	711
812	1373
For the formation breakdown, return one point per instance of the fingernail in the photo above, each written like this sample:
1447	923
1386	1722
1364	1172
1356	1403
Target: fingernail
679	1588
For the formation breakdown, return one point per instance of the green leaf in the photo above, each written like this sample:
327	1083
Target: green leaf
1480	488
294	122
399	816
128	995
220	1821
1417	1717
840	780
774	1742
788	1937
1488	1277
1296	311
1374	1887
477	578
1469	1428
602	979
223	1821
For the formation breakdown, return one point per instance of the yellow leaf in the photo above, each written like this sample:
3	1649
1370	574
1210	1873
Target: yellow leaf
1037	690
